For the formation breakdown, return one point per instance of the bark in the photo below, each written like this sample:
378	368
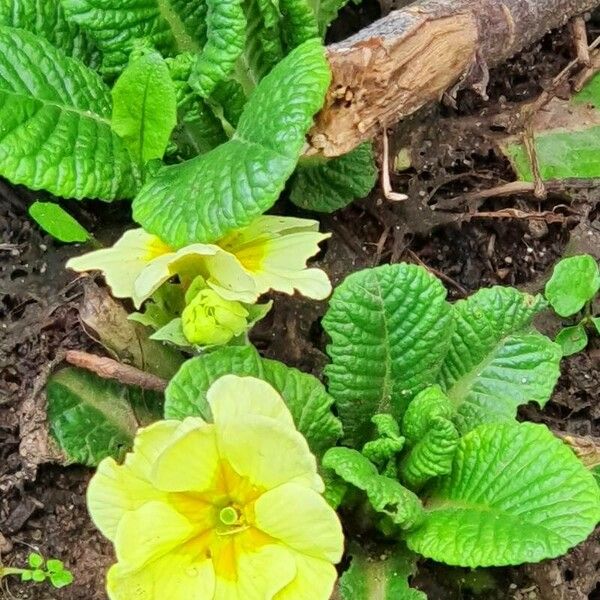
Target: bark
410	57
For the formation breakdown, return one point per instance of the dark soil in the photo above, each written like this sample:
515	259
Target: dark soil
42	505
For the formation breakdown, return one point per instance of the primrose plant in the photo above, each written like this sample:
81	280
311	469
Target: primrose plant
424	456
572	292
198	111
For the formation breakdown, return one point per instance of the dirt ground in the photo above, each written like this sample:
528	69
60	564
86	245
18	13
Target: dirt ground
42	505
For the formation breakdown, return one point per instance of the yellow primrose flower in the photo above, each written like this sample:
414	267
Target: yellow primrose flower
211	320
229	510
270	254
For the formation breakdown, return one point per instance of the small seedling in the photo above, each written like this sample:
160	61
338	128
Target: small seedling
571	292
39	570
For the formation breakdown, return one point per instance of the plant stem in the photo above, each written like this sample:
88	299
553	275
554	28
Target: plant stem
5	571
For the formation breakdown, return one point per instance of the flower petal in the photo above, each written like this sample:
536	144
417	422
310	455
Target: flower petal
178	575
314	580
229	279
117	489
124	261
188	259
235	398
150	532
259	572
267	453
191	463
301	519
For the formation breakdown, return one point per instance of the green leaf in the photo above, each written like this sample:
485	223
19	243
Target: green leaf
38	576
57	222
55	566
574	282
328	185
304	395
228	187
26	575
55	117
596	322
61	579
515	494
145	107
496	362
385	494
572	339
380	575
171	26
596	473
264	48
35	560
298	22
92	418
567	139
389	328
226	39
326	11
46	18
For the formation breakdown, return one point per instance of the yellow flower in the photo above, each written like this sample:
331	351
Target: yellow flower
229	510
210	320
271	253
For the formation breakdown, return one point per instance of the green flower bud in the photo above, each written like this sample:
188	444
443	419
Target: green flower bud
210	320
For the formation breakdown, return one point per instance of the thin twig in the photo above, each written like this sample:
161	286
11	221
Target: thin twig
439	274
513	213
539	189
580	40
107	368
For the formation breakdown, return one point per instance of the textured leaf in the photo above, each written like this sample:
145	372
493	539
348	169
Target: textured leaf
57	222
299	22
495	363
92	418
145	107
429	404
382	452
515	494
169	25
382	575
572	339
326	11
567	138
46	18
304	395
226	38
328	185
55	116
385	494
264	48
389	328
574	282
204	198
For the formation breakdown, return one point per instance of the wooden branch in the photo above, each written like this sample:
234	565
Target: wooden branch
107	368
410	57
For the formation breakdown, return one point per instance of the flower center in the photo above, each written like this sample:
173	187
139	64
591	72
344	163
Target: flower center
229	516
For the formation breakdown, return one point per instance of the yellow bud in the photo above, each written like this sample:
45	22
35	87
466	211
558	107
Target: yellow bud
210	320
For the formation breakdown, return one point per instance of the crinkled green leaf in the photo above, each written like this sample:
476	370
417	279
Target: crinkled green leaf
379	575
298	22
46	18
515	494
326	11
55	115
145	107
572	339
228	187
389	328
382	452
226	38
170	26
574	282
429	404
264	47
304	395
92	418
53	219
567	139
386	495
328	185
496	362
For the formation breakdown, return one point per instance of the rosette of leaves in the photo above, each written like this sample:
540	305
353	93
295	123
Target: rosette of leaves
197	110
572	291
